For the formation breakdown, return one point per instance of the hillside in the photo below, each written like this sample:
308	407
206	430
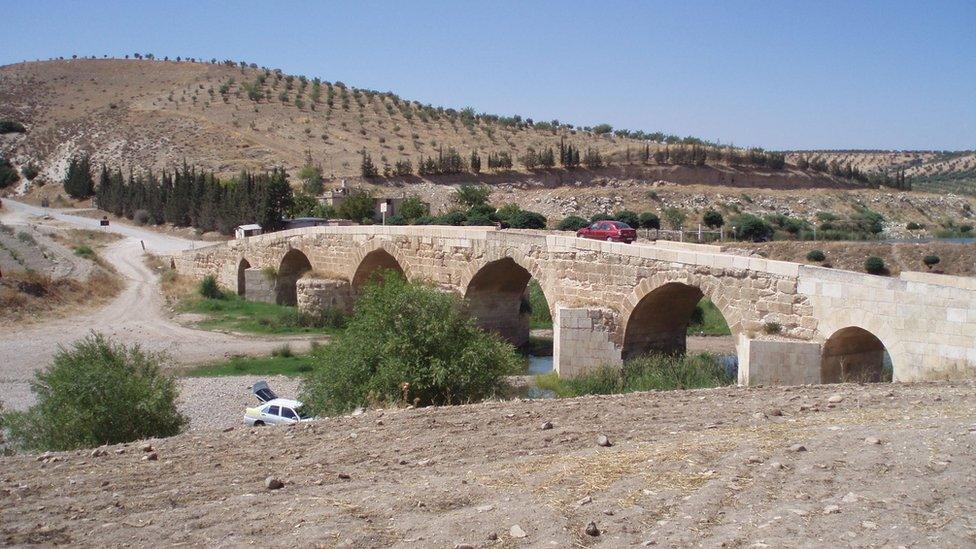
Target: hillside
935	171
223	117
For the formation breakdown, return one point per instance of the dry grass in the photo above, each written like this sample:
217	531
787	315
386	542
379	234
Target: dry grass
32	296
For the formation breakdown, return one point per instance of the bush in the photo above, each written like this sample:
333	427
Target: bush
407	342
912	226
98	392
11	126
453	217
752	228
85	251
713	219
572	223
816	255
8	175
30	171
931	260
628	217
528	220
649	220
874	265
210	289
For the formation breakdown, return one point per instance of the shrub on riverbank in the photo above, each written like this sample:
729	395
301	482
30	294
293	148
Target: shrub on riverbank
407	343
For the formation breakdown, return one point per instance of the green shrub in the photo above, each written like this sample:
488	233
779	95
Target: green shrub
407	342
85	251
772	328
628	217
874	265
572	223
98	392
912	226
141	217
750	227
283	351
324	318
931	260
30	171
453	217
11	126
713	219
528	220
210	289
26	238
649	220
816	255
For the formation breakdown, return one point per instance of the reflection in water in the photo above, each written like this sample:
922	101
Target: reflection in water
540	364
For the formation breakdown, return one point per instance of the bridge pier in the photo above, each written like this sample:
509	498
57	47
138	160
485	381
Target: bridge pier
259	287
319	294
769	362
582	341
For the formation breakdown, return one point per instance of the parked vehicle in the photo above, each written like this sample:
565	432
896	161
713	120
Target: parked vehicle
273	410
611	231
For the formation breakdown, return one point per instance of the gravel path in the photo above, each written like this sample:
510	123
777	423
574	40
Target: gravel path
219	402
135	316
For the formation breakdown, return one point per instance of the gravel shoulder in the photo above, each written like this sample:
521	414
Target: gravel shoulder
888	465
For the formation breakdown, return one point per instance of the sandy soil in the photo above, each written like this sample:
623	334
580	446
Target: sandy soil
888	465
135	316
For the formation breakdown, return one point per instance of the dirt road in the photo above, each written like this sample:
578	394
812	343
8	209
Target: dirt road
888	465
135	316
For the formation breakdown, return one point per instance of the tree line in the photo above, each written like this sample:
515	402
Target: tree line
186	197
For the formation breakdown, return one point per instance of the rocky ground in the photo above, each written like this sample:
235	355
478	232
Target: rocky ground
877	465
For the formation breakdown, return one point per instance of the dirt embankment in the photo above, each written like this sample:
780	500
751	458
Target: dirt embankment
954	259
880	465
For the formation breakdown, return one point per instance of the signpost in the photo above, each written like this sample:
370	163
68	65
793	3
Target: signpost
383	211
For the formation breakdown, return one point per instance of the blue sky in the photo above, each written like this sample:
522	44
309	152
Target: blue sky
832	74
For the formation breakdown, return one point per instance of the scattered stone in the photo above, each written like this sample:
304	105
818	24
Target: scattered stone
584	501
517	532
835	399
98	452
463	546
608	512
799	512
649	543
546	426
119	451
868	525
774	412
344	476
831	509
485	508
424	462
146	448
602	440
492	536
152	456
798	448
850	497
753	459
592	530
228	429
872	440
776	466
273	483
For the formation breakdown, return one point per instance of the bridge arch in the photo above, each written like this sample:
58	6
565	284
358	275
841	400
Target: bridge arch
658	312
293	265
375	258
854	354
242	266
496	294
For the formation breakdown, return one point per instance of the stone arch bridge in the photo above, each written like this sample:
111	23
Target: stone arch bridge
791	323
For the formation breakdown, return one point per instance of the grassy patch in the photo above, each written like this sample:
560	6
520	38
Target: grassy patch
85	251
647	373
708	320
233	313
277	364
539	316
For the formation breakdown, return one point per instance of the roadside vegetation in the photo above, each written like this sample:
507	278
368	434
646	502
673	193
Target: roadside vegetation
407	343
654	372
97	392
539	316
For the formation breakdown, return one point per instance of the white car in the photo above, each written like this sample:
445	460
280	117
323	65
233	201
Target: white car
273	410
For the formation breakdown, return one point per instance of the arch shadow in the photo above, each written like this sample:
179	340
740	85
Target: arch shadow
373	266
242	266
853	354
497	297
293	265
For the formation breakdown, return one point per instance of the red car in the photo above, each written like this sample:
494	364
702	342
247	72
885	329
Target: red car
612	231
